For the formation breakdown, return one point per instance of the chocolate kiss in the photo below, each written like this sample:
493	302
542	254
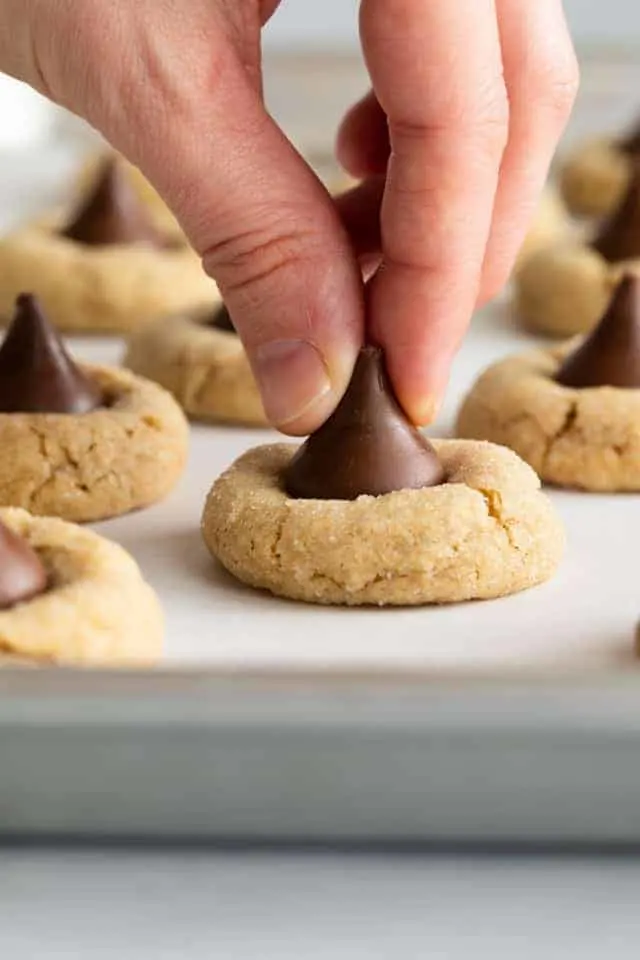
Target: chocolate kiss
367	446
22	575
37	375
619	237
610	355
221	320
112	213
630	143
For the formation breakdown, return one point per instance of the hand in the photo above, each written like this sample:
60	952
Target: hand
470	97
469	100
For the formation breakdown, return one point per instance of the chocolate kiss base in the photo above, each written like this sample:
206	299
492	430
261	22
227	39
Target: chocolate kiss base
22	575
630	143
610	355
619	237
367	446
221	320
37	375
112	214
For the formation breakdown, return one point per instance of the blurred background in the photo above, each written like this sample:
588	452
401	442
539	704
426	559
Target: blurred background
304	34
593	22
298	44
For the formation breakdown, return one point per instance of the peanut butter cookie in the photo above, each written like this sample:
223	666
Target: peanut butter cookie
572	413
487	532
595	176
81	442
563	289
104	269
367	511
200	359
69	596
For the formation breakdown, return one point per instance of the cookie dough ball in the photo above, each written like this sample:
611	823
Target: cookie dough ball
81	442
367	511
68	596
200	359
572	413
549	225
104	269
563	289
596	175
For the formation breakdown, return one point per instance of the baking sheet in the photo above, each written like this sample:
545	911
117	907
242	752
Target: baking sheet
584	617
511	720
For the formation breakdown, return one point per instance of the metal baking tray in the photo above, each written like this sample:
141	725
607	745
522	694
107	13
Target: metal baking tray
515	719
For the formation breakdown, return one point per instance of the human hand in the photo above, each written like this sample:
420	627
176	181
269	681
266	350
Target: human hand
454	142
175	85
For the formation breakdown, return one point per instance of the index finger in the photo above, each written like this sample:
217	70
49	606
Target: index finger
436	69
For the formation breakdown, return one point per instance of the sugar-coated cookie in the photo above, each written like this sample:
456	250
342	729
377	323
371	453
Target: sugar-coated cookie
367	511
596	174
104	269
69	596
202	362
487	532
573	413
563	288
80	441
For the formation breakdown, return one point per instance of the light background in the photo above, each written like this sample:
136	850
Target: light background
313	24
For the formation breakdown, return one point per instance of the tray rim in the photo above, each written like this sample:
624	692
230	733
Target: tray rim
542	700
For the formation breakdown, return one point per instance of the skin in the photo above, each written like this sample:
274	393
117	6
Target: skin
468	101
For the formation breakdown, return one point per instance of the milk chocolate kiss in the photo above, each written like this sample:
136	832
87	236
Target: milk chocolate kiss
610	355
630	143
221	320
37	375
112	214
367	446
22	575
619	237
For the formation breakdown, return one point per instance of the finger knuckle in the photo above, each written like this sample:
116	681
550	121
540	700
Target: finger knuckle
257	257
481	114
476	114
558	81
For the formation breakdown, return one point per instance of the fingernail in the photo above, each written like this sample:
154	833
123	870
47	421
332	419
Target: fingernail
292	378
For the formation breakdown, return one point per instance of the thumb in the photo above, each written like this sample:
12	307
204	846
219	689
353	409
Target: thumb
273	240
271	237
176	88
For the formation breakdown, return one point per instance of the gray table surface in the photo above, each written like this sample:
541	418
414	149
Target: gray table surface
90	905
